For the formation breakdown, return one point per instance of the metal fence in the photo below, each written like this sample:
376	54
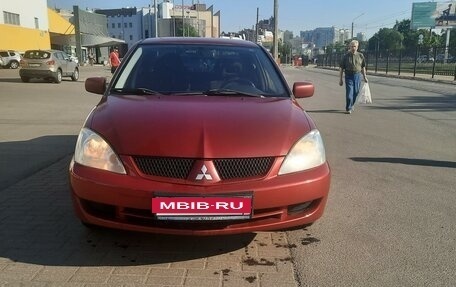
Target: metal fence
428	61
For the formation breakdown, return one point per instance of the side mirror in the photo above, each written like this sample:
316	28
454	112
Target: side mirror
303	89
96	85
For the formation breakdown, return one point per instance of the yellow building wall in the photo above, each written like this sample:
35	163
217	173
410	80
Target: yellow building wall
21	39
58	24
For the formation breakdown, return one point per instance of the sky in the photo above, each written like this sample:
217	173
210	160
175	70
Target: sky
368	16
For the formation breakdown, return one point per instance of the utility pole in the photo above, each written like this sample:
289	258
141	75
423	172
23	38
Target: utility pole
183	18
353	24
198	17
156	18
276	29
256	26
77	33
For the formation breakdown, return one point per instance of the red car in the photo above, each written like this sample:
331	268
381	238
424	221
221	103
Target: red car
198	136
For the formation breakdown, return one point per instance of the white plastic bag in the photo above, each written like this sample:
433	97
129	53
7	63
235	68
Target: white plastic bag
364	96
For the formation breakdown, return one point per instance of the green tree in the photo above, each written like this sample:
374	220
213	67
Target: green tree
388	39
285	51
337	47
189	30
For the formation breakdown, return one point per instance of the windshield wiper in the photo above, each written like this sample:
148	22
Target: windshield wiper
135	91
229	92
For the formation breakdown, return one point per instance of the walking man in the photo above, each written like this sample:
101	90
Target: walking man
353	65
114	60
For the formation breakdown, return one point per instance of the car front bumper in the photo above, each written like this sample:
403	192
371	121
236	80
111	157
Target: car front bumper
124	201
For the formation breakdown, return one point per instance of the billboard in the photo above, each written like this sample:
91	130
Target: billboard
439	15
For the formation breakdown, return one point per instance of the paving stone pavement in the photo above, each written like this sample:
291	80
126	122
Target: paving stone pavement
43	244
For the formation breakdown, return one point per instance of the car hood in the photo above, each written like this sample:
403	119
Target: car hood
199	126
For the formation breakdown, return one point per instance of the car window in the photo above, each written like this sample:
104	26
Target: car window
4	54
59	55
196	68
36	54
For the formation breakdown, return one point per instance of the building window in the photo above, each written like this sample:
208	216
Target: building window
131	37
125	25
130	25
113	25
118	25
37	23
11	18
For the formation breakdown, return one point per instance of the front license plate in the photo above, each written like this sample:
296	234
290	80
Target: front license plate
202	208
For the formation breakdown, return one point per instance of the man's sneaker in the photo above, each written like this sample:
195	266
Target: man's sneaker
348	112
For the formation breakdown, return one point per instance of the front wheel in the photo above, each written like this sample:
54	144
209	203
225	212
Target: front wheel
25	79
75	75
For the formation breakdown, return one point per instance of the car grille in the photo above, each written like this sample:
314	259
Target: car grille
180	168
242	167
165	167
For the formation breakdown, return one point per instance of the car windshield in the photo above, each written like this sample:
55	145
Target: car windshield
210	70
37	54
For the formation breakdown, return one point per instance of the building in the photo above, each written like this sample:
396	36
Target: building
322	37
203	19
129	24
24	25
343	35
287	36
361	36
134	24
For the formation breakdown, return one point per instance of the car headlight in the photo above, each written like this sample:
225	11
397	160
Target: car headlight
308	152
92	150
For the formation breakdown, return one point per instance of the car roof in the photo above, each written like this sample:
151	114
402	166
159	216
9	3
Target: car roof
199	40
46	50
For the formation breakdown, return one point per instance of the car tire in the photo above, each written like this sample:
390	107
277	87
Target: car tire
58	76
25	79
75	75
14	65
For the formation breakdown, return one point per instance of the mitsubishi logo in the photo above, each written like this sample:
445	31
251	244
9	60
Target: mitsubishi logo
203	174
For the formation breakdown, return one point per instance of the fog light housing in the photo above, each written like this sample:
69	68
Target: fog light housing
298	208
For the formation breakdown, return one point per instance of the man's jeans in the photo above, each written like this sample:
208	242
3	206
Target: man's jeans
352	87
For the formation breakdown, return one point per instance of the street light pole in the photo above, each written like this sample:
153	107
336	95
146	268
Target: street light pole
156	19
276	29
183	17
353	24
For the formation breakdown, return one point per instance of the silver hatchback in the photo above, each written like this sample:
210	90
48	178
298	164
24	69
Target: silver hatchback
11	59
48	64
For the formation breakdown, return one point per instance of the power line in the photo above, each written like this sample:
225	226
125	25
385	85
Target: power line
389	16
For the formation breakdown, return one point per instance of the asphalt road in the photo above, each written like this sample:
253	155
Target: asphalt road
390	217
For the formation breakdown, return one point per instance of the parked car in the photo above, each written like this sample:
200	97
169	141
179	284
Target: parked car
425	59
48	64
199	136
440	58
11	59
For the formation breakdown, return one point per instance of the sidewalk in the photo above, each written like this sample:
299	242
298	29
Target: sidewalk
43	244
408	76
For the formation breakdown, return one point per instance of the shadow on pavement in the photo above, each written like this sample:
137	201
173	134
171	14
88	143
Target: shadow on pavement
10	80
37	224
407	161
440	103
325	111
20	159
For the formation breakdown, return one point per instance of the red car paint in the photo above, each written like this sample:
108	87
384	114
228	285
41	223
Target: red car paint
202	128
